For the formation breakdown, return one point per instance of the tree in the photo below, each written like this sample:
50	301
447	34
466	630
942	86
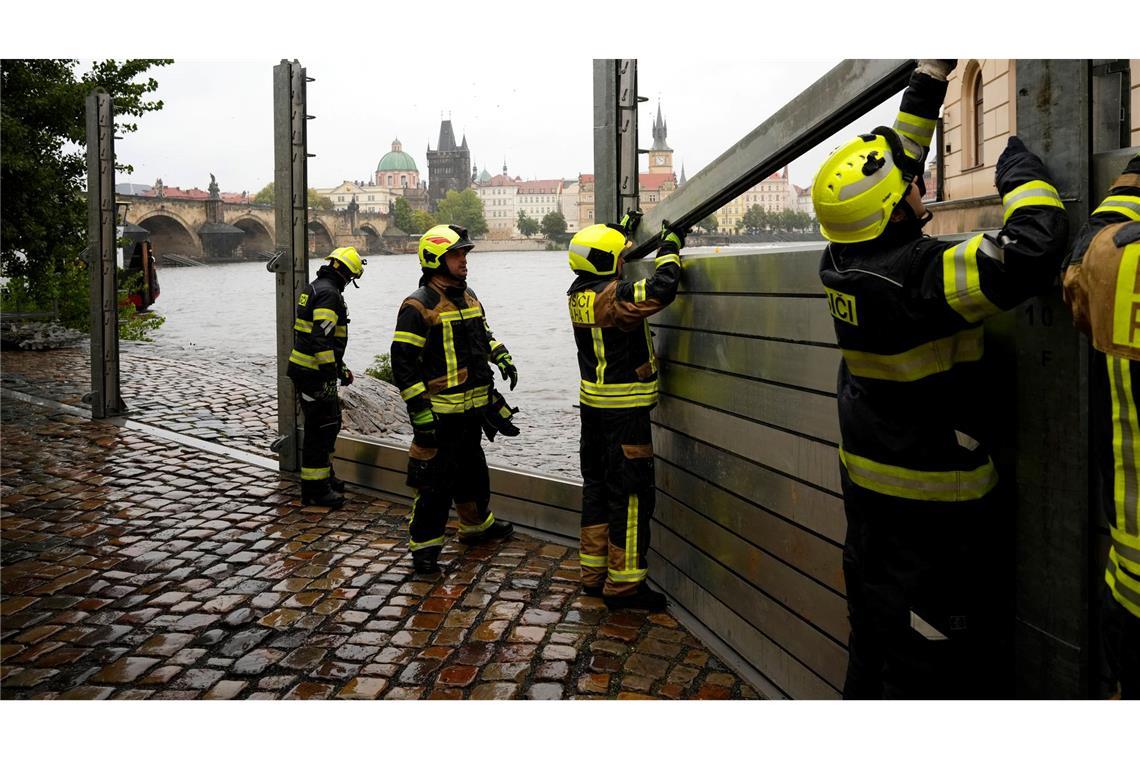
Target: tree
554	226
423	221
266	196
708	224
756	219
462	208
526	225
404	218
43	169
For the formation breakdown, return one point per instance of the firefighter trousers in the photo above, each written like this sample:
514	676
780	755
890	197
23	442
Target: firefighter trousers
322	421
929	596
457	473
618	497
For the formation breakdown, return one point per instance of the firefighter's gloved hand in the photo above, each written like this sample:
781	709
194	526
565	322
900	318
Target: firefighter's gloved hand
327	390
630	221
672	240
937	68
1017	156
346	376
507	368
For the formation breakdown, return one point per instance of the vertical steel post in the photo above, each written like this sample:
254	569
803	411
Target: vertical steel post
105	398
1049	445
627	197
291	263
606	155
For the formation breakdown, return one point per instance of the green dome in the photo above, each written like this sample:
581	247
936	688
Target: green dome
397	161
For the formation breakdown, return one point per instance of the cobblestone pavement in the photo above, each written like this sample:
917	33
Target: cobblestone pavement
138	568
233	401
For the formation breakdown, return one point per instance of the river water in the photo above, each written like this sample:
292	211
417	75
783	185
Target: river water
229	309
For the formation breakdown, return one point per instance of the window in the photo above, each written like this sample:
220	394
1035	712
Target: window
979	113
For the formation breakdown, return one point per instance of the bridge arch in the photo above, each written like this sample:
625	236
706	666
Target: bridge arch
320	239
170	234
373	244
258	237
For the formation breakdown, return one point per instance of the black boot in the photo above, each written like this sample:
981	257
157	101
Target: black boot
425	562
317	493
499	529
592	590
642	598
336	483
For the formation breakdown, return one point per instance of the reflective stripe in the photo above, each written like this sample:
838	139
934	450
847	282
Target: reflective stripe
921	485
961	281
315	473
423	417
617	402
454	316
917	128
305	360
412	391
468	529
591	560
667	258
919	362
1124	589
649	346
627	576
302	325
1127	550
414	545
859	224
599	354
631	533
618	389
324	315
639	291
493	345
870	181
1127	205
341	331
1034	193
1127	300
410	338
925	629
456	403
325	357
449	355
1125	436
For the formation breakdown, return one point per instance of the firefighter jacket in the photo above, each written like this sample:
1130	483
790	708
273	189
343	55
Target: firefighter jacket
907	311
1102	287
320	330
615	348
441	350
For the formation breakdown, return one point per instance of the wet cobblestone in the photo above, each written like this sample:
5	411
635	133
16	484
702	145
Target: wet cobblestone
136	568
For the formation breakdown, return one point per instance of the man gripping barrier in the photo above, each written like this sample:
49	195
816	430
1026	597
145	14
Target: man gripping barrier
316	366
617	390
441	355
1102	288
927	599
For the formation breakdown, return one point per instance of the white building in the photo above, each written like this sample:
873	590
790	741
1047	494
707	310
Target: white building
539	197
569	206
499	195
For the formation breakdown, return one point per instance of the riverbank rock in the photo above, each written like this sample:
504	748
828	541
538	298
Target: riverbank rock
37	336
373	407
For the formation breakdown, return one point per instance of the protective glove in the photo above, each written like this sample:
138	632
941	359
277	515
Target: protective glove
1017	155
507	368
672	240
937	68
423	429
327	390
630	221
346	376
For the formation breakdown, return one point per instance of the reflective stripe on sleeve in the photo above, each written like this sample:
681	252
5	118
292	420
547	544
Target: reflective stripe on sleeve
341	331
639	291
413	391
409	338
919	129
423	417
1128	205
920	485
1127	550
325	357
1033	193
919	362
667	258
324	315
1125	590
962	284
305	360
302	325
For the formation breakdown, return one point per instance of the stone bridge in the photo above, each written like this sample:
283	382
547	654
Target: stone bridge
176	226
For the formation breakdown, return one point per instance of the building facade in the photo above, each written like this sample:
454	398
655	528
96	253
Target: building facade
397	169
774	193
449	165
499	197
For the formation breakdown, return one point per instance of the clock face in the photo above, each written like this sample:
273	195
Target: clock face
660	160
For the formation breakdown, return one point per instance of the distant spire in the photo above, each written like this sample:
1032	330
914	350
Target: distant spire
682	174
660	130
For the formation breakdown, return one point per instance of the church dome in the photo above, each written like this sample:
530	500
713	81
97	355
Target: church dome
397	160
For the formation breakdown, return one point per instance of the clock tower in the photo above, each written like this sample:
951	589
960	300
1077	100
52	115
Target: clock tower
660	155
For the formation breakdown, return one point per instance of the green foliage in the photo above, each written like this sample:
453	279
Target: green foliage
43	168
462	208
526	225
553	226
265	196
708	224
404	218
423	221
381	369
132	324
755	219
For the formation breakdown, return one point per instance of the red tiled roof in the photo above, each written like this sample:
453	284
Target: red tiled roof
654	181
540	186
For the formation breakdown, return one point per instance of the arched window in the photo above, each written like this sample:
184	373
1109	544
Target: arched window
979	115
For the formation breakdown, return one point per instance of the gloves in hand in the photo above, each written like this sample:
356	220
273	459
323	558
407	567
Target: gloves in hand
630	221
346	376
672	239
1016	155
937	68
327	390
507	368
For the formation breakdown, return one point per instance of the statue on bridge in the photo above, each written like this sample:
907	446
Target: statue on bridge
214	193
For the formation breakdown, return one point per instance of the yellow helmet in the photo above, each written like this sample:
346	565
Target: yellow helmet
596	249
439	240
350	259
859	186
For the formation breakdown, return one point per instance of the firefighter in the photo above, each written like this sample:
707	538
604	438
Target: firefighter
617	390
1103	292
441	353
320	335
927	599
